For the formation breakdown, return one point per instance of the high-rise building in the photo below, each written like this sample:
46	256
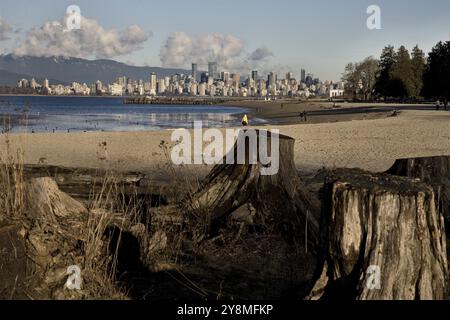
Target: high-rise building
250	83
202	89
303	75
225	76
204	77
121	81
33	84
46	84
272	80
194	71
236	79
255	75
193	90
153	83
212	70
23	83
98	87
161	86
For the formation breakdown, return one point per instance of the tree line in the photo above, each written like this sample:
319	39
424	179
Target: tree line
400	74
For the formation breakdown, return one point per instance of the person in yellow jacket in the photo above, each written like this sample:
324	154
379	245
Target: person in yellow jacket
245	121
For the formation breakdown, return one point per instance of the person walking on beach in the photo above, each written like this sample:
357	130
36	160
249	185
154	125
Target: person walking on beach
245	121
304	116
438	105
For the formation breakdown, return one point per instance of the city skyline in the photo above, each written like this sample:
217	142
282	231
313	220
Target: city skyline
238	36
213	83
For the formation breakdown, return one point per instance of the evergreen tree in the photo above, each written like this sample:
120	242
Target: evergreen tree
401	75
383	82
437	72
418	67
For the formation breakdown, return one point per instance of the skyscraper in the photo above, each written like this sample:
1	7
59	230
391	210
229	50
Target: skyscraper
272	80
212	70
225	76
289	76
303	75
194	71
204	77
153	83
98	87
255	75
236	79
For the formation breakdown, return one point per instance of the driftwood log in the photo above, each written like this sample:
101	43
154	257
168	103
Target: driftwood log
278	202
382	240
434	171
59	231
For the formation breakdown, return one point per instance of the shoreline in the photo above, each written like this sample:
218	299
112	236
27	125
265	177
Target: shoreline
283	112
287	111
371	144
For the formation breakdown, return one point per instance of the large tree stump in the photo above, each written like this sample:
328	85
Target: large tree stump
379	221
280	200
434	171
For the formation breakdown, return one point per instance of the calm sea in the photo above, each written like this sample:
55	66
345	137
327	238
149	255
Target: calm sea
63	114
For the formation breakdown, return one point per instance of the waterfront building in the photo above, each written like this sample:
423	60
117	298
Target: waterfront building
194	71
193	89
161	89
98	87
255	75
204	77
202	89
225	76
212	70
23	83
115	89
153	83
303	75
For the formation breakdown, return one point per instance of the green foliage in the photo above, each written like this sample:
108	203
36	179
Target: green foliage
387	60
418	68
360	77
400	73
437	72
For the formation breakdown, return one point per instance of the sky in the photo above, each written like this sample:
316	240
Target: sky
282	35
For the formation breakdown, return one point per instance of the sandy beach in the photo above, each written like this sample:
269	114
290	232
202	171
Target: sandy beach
371	144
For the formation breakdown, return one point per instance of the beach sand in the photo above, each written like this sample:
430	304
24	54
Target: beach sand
368	144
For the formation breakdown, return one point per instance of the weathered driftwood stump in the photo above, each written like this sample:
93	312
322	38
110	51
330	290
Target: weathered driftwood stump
279	201
381	227
434	171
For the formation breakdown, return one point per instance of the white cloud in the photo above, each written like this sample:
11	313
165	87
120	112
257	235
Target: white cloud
260	54
229	51
5	29
91	40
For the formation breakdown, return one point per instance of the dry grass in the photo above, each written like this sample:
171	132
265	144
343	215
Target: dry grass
11	183
98	269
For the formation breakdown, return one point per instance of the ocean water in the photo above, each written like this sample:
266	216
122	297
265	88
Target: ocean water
71	114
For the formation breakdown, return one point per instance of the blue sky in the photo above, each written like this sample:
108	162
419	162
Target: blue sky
320	36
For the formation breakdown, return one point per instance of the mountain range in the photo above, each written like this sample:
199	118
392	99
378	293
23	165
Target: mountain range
66	70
